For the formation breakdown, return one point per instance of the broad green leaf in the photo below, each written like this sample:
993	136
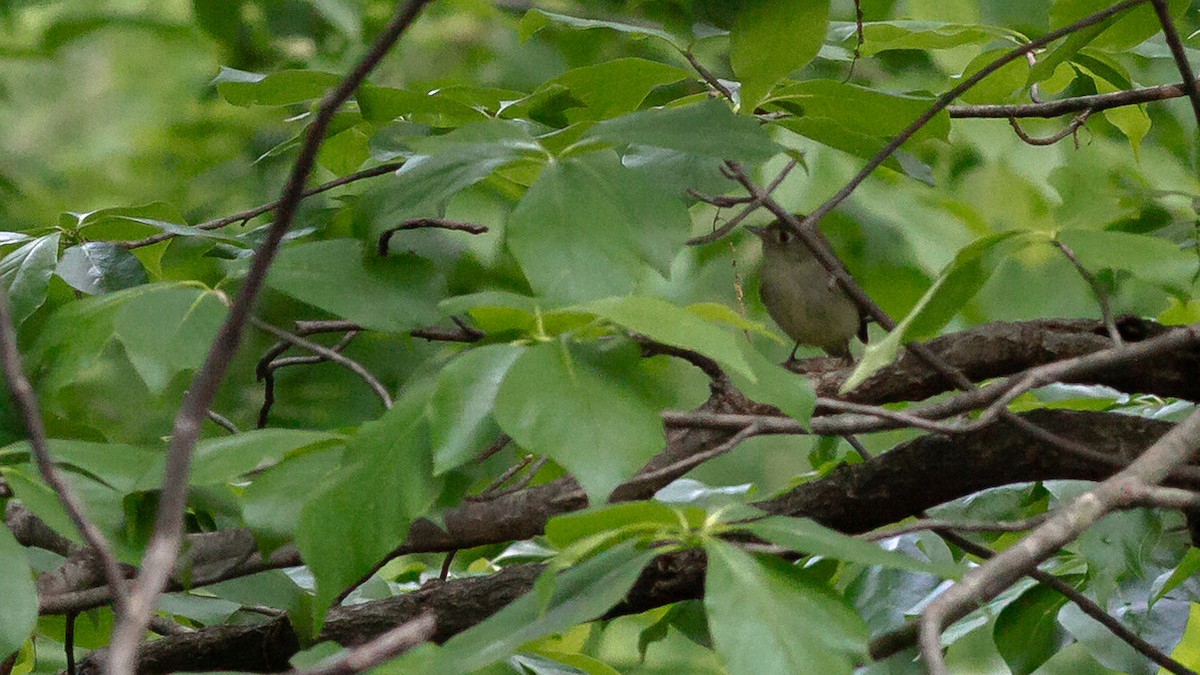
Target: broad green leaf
1188	566
709	129
100	504
284	87
536	19
100	267
381	105
663	322
954	287
181	230
772	38
168	330
1026	631
852	118
461	407
1187	651
880	36
646	516
228	457
345	15
1132	120
597	414
25	275
588	229
767	616
271	505
806	536
126	468
1152	259
393	293
580	594
445	165
20	597
387	482
344	152
13	238
615	87
999	87
1123	32
775	385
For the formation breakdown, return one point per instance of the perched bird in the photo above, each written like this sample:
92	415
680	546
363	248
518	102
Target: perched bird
802	297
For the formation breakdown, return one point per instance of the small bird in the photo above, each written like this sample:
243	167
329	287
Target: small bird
802	297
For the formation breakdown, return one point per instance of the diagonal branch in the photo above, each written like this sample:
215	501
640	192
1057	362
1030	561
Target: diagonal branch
27	408
1181	61
164	543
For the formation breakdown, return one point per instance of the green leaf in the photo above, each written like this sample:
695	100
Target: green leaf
772	38
381	105
1151	259
1132	120
20	597
646	516
100	267
461	408
284	87
168	330
181	230
852	118
392	294
1120	33
1026	631
387	482
775	385
709	129
1188	566
766	616
663	322
25	275
806	536
596	414
954	287
586	229
225	458
125	468
445	165
580	594
881	36
271	505
536	19
344	152
615	87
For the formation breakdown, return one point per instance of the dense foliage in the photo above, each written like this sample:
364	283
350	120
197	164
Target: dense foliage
505	271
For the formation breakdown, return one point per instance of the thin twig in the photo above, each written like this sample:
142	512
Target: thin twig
329	355
1110	323
1180	56
421	223
753	206
245	216
688	463
388	646
960	526
27	409
497	445
1066	106
1071	130
523	481
707	76
165	539
500	480
69	641
270	362
223	422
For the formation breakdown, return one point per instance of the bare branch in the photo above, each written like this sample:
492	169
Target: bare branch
985	582
1071	130
388	646
754	204
27	409
420	223
1066	106
1101	297
259	210
164	543
328	354
1181	61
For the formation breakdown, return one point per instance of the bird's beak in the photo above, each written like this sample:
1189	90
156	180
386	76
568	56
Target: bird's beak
758	230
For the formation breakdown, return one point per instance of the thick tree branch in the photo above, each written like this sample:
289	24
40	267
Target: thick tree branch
1066	106
853	498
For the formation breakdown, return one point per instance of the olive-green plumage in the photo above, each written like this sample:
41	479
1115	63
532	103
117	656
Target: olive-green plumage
801	296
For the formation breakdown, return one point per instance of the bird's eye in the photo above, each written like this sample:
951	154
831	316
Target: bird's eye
784	236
